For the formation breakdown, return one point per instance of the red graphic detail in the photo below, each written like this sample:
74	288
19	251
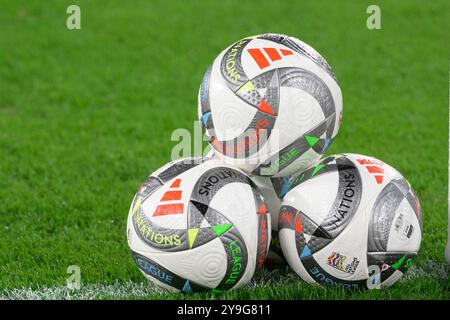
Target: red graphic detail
262	209
217	144
259	58
166	209
262	243
170	195
175	184
272	53
286	52
418	206
264	107
373	169
369	161
372	166
298	224
286	216
379	179
252	138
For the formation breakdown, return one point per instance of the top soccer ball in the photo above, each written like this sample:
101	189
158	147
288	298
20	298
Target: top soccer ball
270	105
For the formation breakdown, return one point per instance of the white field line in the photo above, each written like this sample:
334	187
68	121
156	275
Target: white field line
124	290
118	290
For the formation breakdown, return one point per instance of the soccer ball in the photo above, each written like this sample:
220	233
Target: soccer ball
273	190
270	105
352	221
198	224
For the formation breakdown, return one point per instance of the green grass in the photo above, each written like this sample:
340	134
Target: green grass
86	115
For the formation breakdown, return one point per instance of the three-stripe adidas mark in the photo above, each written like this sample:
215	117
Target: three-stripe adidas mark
374	168
273	54
170	196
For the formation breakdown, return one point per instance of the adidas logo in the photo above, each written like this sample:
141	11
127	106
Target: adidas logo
170	196
261	56
373	167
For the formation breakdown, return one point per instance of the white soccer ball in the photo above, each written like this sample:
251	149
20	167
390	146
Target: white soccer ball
351	221
273	190
270	104
198	224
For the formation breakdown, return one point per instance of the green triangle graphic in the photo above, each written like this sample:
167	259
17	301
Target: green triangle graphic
317	169
222	228
192	234
398	263
311	140
249	86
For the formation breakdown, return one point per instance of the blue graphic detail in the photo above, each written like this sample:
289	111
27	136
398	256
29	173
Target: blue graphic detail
306	252
154	270
205	118
285	188
187	287
326	144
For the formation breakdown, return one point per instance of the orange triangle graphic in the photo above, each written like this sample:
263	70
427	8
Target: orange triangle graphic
262	209
264	107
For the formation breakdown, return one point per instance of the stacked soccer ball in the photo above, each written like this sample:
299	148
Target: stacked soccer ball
270	106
